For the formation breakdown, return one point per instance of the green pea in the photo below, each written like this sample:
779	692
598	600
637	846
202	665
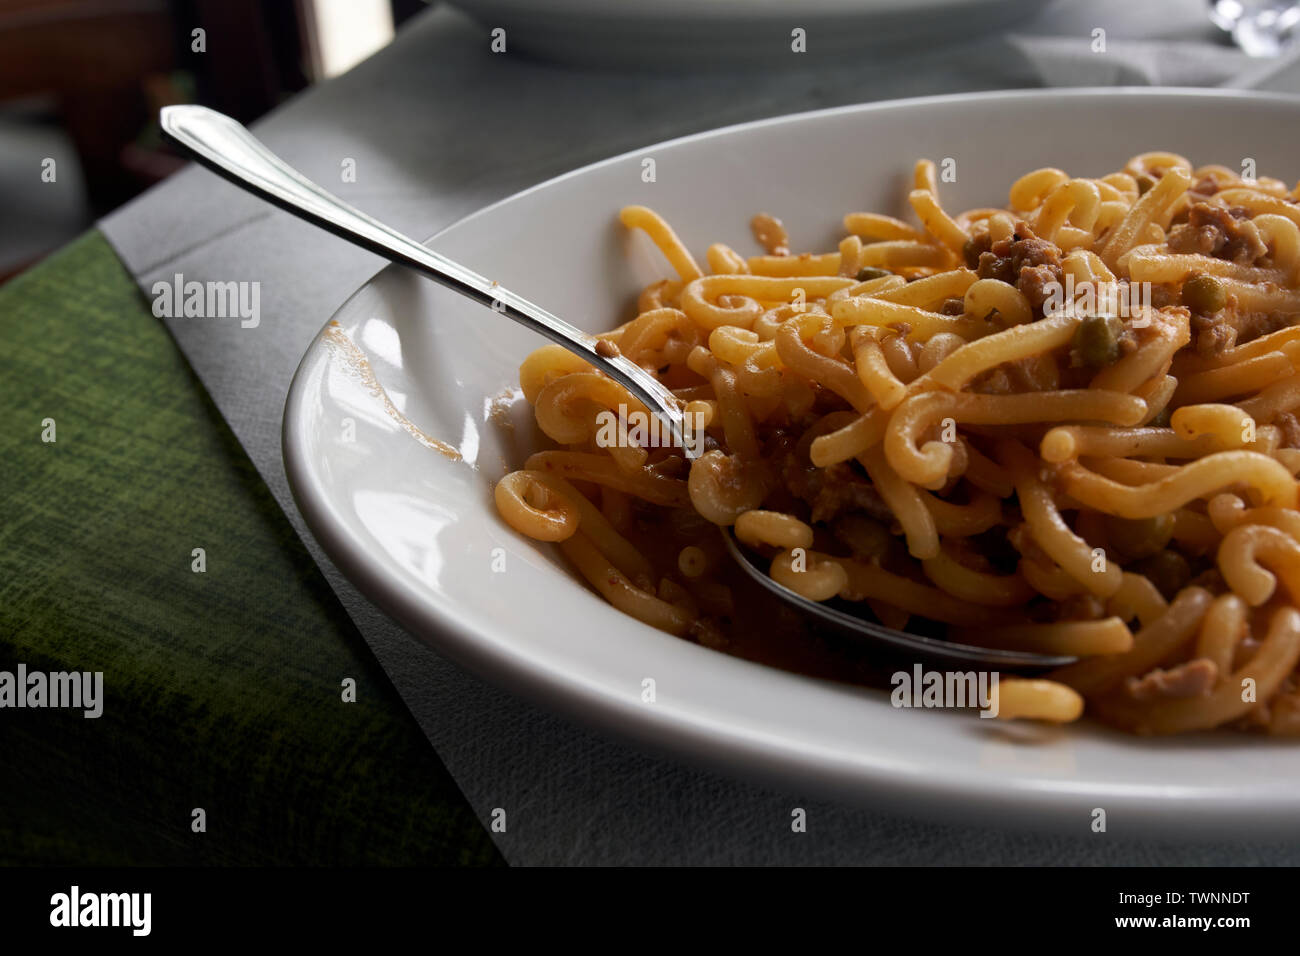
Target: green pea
1138	538
1167	570
1204	295
1096	340
870	272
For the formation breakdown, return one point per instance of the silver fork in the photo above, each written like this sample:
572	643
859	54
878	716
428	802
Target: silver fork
230	150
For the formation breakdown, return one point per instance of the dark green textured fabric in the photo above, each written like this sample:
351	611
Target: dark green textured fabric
223	689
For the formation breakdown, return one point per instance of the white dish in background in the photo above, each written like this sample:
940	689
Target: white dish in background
417	532
670	33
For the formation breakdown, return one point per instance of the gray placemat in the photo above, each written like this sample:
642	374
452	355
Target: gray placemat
437	126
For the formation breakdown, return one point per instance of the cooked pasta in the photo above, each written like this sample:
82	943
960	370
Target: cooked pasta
1066	426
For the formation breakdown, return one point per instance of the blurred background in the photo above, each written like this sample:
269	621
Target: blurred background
81	83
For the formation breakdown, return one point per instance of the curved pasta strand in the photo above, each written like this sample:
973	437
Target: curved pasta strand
794	344
663	236
1193	480
871	582
937	222
1241	557
532	509
1037	700
1148	208
931	292
872	225
928	466
905	502
922	324
598	528
1066	442
1137	598
977	587
1017	342
963	521
615	588
1224	626
585	466
1074	555
851	440
873	368
1274	661
1151	645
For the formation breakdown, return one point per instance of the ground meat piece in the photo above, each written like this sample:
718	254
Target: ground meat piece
1205	186
1251	325
975	247
844	491
1211	334
1143	326
1029	250
996	381
1022	249
1216	339
993	266
1127	340
1192	679
1215	230
1163	295
1132	336
1037	283
832	491
1037	373
953	306
1290	427
770	234
1031	264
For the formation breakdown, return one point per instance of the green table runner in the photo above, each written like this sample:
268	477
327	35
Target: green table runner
223	690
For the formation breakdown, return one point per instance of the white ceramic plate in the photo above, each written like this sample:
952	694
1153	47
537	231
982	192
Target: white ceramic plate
418	532
668	33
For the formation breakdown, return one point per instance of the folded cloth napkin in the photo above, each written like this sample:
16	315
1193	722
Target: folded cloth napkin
424	122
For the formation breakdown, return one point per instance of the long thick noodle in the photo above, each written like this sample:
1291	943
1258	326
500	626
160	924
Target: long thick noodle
1067	425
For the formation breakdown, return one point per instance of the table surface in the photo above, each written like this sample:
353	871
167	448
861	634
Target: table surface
223	689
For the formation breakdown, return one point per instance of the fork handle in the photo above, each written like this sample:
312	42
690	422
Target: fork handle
230	150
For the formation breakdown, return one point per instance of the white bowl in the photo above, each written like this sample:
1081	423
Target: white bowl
418	532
